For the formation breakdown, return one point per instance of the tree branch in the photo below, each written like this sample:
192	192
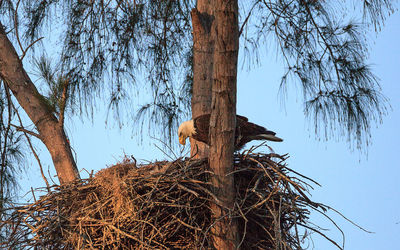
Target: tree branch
22	129
26	132
30	45
247	18
64	97
16	25
37	109
325	42
3	155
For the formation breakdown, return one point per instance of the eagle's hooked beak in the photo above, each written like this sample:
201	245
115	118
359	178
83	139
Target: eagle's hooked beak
182	140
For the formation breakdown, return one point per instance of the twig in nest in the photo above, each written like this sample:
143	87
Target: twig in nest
142	209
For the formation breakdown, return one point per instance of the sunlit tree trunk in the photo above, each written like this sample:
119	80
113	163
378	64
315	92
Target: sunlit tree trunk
223	122
203	49
51	131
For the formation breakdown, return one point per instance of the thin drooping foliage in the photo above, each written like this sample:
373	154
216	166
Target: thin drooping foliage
375	11
107	46
11	157
328	55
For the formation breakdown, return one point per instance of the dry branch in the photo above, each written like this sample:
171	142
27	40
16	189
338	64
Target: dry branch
165	205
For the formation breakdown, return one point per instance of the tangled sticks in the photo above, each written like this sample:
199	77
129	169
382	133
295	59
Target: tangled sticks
166	205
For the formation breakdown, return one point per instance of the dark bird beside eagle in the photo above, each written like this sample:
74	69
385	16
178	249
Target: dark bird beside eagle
246	131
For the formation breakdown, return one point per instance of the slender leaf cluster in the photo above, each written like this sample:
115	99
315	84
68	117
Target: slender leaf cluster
11	156
328	55
109	45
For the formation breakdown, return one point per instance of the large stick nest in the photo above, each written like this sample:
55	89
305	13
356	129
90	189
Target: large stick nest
165	205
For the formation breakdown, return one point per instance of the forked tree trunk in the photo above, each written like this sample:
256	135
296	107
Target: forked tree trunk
223	122
203	49
51	131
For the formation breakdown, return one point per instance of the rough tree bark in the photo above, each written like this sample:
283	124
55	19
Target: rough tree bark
51	131
203	49
223	122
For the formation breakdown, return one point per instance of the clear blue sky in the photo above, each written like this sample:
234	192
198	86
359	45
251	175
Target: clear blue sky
366	189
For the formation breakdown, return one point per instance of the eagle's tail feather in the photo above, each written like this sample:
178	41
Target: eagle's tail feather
266	137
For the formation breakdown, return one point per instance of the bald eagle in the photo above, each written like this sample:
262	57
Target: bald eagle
245	131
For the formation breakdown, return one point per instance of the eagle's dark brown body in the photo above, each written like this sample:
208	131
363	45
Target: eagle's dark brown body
245	131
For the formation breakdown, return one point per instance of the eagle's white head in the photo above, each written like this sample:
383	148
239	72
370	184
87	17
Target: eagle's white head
185	130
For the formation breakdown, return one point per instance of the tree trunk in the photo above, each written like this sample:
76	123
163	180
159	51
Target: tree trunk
51	131
223	122
203	49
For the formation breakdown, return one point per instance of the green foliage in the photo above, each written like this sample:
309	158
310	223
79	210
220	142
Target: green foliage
11	157
108	45
375	11
328	55
55	84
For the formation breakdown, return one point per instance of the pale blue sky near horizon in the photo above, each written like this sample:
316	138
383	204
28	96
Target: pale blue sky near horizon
364	188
